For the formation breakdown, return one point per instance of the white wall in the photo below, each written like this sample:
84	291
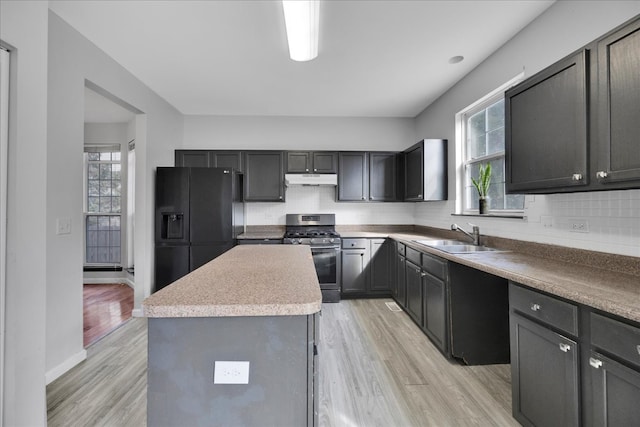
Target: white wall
613	216
72	60
308	133
23	26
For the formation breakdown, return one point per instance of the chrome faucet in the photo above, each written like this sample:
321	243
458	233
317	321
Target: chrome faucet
475	236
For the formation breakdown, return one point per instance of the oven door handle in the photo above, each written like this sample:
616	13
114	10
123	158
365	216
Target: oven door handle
324	248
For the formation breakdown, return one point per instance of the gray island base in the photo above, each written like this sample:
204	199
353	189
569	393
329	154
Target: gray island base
187	383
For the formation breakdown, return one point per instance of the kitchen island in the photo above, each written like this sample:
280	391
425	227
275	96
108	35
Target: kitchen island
255	306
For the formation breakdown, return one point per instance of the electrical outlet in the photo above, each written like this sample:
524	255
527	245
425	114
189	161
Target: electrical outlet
578	225
230	372
547	221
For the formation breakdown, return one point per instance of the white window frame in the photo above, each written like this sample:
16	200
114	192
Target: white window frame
461	149
123	198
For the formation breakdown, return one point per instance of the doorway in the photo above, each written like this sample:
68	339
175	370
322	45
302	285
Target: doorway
108	201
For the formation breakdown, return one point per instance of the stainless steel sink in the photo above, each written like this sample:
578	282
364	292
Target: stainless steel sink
440	242
455	246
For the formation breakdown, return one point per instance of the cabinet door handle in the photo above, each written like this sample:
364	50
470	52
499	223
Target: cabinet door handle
423	274
596	363
306	170
638	348
315	169
564	347
576	177
601	174
419	195
535	307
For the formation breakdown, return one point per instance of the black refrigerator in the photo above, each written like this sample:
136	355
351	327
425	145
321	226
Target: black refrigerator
199	214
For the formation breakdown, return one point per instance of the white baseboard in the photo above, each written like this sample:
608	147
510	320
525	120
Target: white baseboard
99	281
137	312
65	366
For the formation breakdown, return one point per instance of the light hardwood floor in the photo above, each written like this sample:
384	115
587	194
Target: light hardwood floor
376	369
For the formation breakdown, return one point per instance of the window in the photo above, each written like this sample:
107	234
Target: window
103	205
482	142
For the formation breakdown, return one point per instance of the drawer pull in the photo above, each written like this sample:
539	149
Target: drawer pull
535	307
576	177
565	347
601	174
596	363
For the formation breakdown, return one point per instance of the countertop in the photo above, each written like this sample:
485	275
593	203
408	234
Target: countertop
612	291
248	280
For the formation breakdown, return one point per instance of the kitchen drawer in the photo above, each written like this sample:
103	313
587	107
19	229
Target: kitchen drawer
546	309
401	248
616	337
354	243
434	265
413	255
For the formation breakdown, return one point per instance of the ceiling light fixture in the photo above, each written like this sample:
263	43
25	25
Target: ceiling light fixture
301	19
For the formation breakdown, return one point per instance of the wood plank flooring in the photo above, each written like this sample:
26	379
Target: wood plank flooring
105	307
376	369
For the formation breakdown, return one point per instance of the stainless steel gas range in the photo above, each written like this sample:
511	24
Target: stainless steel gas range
319	232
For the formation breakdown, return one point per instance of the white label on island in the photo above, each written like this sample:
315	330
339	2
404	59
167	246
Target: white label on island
230	372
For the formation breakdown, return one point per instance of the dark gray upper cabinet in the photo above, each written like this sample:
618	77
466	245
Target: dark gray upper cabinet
312	162
574	126
368	176
546	128
193	158
617	159
209	159
383	177
425	171
353	176
227	159
264	176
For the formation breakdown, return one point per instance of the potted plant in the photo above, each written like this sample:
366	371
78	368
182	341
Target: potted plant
482	185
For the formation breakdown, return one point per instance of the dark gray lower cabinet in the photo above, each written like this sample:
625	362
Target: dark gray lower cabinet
413	278
558	346
615	392
366	267
544	375
354	266
401	284
380	277
435	306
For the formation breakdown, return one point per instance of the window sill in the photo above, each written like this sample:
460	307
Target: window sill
492	215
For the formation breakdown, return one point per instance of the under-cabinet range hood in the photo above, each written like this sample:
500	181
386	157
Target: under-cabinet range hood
310	179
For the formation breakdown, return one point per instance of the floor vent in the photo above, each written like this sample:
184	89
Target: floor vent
393	306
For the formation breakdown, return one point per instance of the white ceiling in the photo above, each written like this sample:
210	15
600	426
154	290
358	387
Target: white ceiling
376	58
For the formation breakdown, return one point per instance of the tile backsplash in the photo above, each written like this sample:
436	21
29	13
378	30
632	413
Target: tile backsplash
607	221
322	199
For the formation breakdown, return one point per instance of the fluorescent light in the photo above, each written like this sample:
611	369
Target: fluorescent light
301	18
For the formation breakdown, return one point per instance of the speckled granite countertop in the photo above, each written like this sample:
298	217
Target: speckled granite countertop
248	280
612	285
